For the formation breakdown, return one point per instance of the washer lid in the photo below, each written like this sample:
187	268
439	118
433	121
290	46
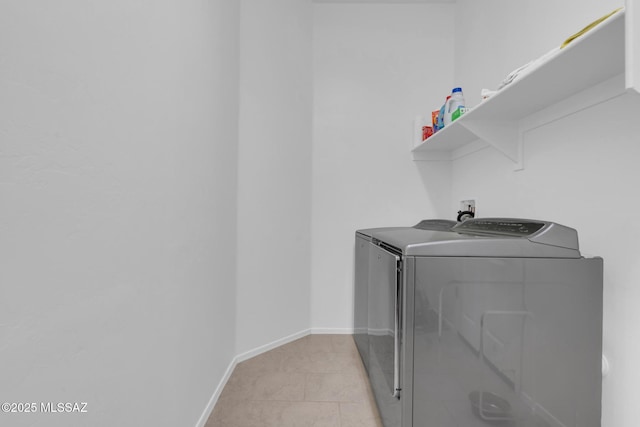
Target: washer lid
425	224
486	237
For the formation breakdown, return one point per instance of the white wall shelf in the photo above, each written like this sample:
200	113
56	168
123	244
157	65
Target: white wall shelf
589	61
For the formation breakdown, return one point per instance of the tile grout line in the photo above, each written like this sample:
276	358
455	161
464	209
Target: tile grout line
304	390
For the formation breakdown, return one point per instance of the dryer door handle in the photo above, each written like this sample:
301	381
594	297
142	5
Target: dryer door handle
397	328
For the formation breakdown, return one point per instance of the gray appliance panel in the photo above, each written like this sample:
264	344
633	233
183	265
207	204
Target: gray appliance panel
361	298
382	333
368	232
527	332
406	398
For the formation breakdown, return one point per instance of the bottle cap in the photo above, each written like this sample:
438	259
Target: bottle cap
456	89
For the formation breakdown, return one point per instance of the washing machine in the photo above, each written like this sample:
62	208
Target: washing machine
493	321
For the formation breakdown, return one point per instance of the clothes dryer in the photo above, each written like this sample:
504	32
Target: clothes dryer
490	322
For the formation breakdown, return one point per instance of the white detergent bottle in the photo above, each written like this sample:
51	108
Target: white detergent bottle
456	102
446	116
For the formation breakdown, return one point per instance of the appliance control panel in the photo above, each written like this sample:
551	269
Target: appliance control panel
500	226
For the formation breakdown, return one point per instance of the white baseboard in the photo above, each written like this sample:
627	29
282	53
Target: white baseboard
277	343
337	331
216	394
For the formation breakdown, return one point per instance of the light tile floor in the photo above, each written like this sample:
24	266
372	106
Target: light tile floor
318	381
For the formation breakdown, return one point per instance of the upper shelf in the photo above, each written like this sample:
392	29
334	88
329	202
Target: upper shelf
595	57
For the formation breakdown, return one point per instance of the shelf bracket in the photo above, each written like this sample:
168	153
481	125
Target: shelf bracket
504	136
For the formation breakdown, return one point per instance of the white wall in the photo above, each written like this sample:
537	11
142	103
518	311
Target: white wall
118	130
375	67
579	171
274	181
